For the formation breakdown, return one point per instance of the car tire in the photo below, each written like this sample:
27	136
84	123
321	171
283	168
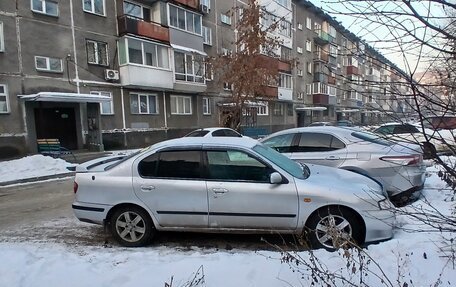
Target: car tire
429	150
332	228
131	226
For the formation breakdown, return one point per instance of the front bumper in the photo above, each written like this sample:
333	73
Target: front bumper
379	225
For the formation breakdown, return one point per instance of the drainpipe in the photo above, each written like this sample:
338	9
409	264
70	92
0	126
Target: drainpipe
76	73
164	112
124	124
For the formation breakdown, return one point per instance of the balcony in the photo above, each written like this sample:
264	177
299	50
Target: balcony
321	56
331	80
320	99
332	61
137	26
270	92
190	3
320	77
284	66
321	38
352	70
132	75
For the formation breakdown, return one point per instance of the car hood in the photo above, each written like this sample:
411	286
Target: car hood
344	180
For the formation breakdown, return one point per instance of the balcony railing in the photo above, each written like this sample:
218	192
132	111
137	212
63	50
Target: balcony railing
321	37
320	99
284	66
137	26
270	91
321	56
352	70
190	3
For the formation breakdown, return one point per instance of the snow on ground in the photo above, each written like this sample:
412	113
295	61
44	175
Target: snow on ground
417	258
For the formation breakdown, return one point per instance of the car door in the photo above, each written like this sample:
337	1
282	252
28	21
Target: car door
170	184
241	196
319	148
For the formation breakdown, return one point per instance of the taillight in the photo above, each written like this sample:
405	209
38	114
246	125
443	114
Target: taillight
412	159
75	187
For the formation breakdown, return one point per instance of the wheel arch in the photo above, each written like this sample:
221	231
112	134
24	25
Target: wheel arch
342	208
127	204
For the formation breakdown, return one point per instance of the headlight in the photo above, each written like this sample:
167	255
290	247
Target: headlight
385	204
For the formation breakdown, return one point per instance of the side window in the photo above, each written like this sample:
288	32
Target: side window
236	165
173	164
281	143
230	133
313	142
336	143
225	133
405	129
386	130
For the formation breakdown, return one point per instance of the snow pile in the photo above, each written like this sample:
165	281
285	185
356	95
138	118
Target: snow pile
32	166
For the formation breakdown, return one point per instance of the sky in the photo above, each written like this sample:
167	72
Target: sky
417	254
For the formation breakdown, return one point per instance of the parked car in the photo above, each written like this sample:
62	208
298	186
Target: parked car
319	124
432	141
214	132
399	167
214	185
344	123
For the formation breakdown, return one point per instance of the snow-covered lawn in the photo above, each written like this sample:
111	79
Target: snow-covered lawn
417	258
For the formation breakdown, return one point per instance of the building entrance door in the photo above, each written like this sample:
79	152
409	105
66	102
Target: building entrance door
57	123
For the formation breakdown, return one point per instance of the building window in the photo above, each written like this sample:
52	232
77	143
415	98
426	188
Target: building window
299	50
94	6
106	107
290	109
206	106
143	53
48	64
206	3
47	7
309	46
285	81
143	104
4	103
181	105
263	110
278	109
309	23
133	9
188	67
333	50
2	38
184	20
285	28
284	3
308	89
227	86
309	67
332	91
97	53
226	19
207	36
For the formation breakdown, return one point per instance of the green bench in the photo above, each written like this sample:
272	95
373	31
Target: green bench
52	147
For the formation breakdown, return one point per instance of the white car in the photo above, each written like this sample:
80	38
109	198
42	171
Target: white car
238	185
431	141
214	132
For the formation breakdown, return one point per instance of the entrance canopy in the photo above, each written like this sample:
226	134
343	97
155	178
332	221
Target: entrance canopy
64	97
311	108
348	111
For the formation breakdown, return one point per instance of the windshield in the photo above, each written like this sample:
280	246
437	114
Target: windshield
369	137
297	170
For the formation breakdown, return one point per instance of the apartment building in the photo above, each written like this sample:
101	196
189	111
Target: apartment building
104	74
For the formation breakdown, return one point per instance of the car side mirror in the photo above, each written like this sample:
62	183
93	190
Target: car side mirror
275	178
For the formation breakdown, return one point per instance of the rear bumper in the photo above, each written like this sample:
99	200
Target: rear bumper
401	180
92	213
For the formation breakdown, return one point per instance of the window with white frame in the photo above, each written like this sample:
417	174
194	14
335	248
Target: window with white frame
94	6
226	19
143	103
284	3
207	36
97	53
332	90
263	109
132	51
333	50
285	28
299	50
188	67
2	38
317	28
181	105
285	81
106	107
309	46
47	7
133	9
308	89
185	20
206	3
207	106
227	86
48	64
309	23
4	101
319	88
309	67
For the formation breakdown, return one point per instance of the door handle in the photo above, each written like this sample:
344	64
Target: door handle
332	157
147	188
220	190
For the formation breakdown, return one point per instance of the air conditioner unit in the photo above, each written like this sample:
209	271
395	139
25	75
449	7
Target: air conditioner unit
111	75
204	8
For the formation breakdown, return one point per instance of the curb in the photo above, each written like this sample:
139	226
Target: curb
37	178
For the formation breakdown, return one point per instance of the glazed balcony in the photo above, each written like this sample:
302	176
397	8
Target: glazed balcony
284	66
137	26
321	56
190	3
320	99
321	37
270	92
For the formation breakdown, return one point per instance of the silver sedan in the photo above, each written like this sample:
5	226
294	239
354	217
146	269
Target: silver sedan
236	185
398	166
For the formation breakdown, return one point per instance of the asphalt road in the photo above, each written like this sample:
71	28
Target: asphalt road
41	212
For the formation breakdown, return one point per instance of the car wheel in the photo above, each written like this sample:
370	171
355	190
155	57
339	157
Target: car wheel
429	150
332	228
131	226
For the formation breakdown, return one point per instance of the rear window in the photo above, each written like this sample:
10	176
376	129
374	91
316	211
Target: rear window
198	133
371	138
